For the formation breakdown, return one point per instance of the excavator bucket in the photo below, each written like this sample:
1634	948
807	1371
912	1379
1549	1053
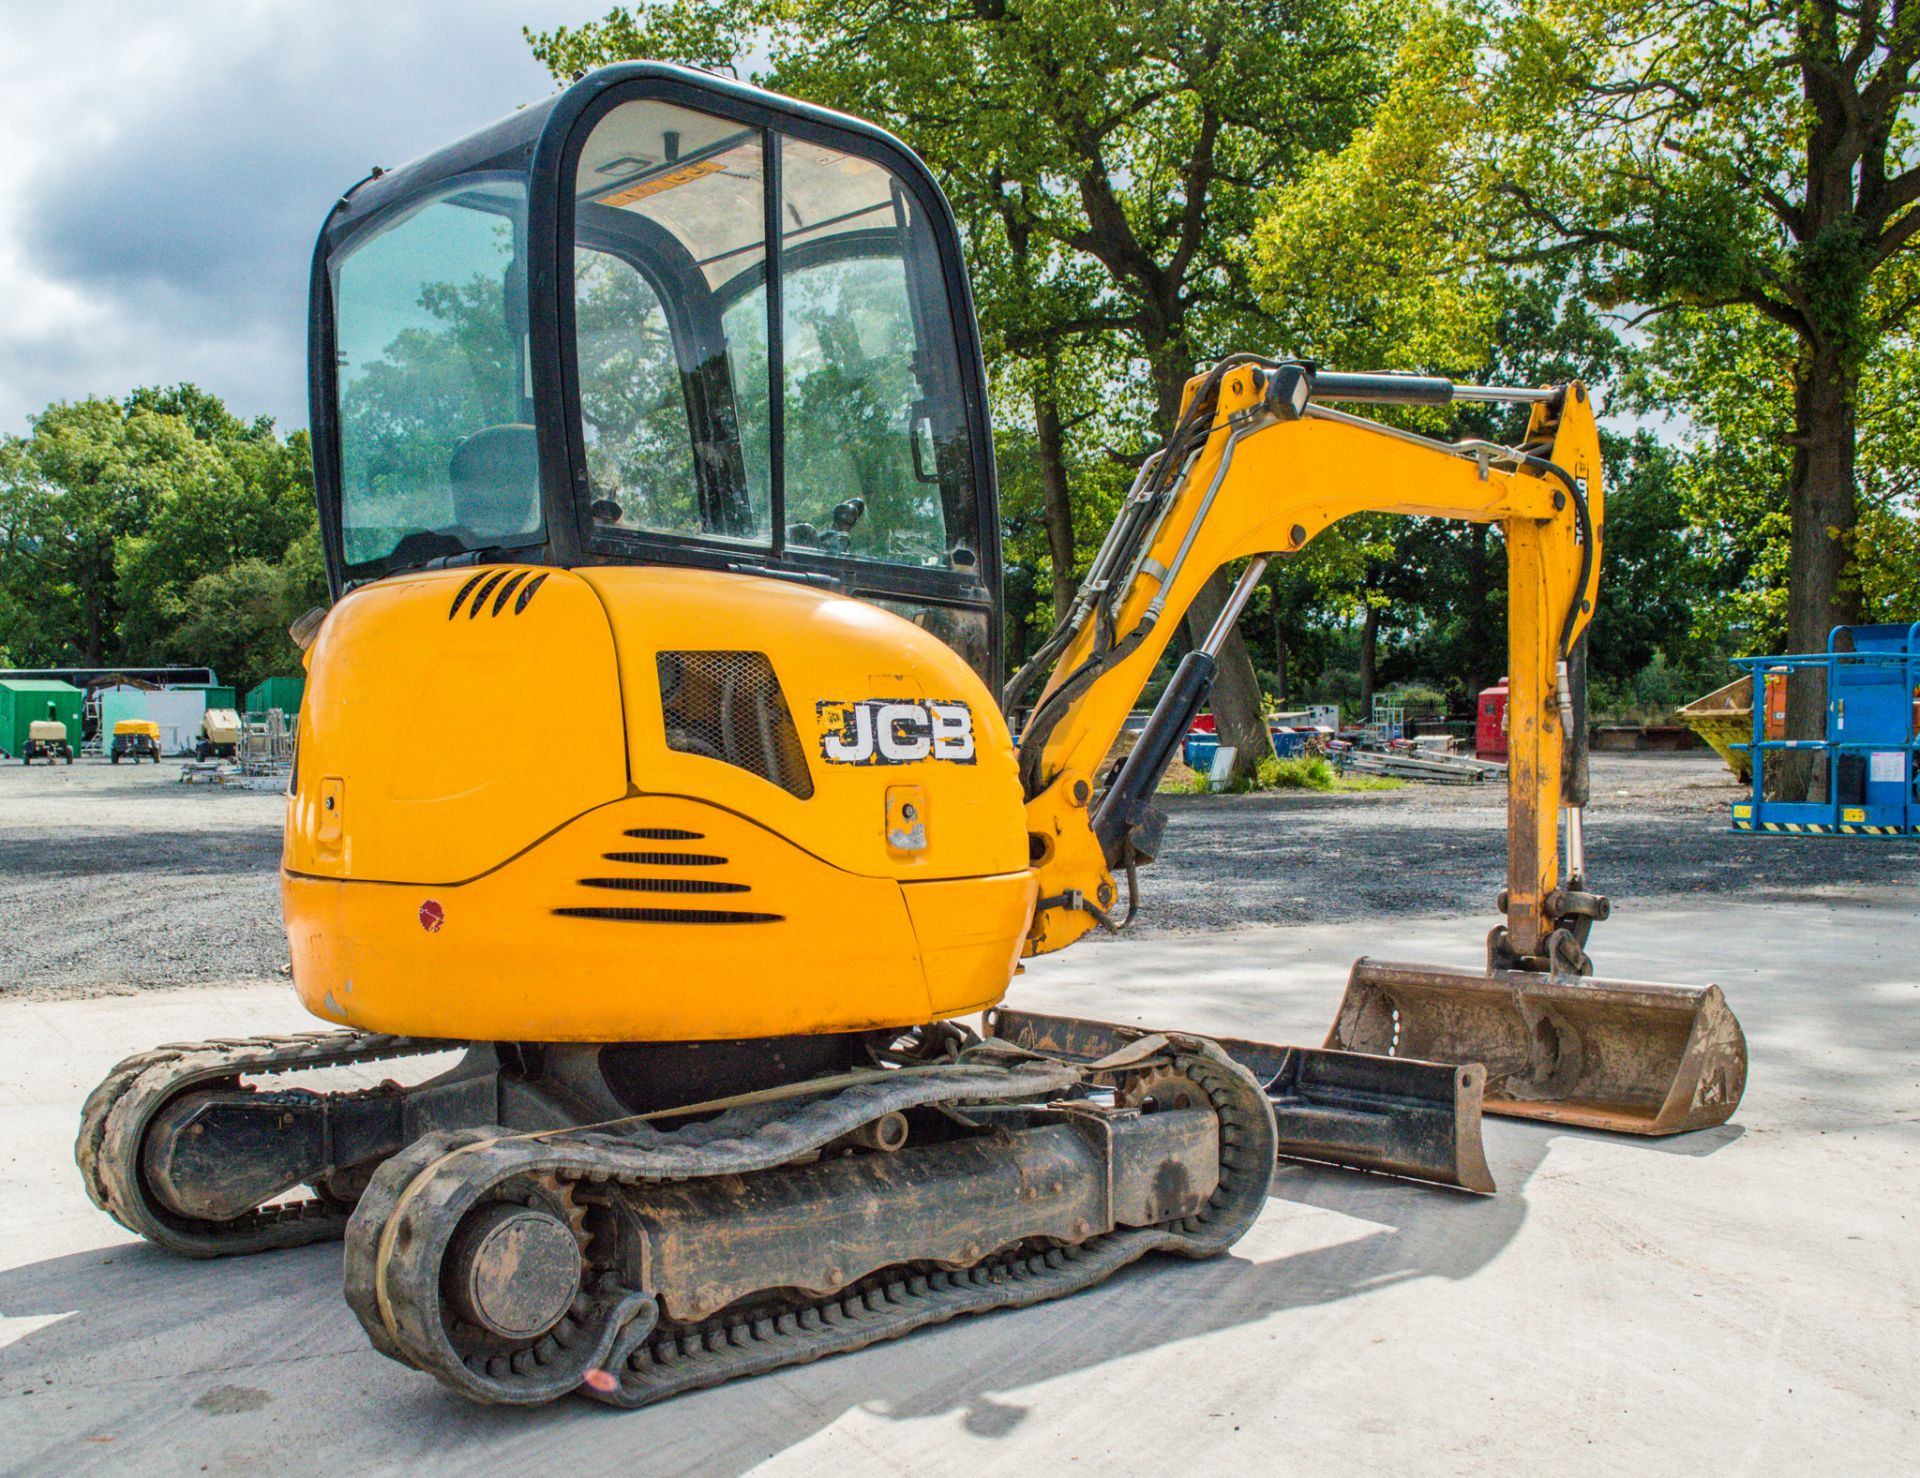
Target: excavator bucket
1393	1115
1621	1055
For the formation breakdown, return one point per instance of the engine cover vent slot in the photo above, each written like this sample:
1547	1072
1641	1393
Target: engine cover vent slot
728	707
500	598
465	591
671	915
526	592
664	834
666	859
507	582
666	885
480	598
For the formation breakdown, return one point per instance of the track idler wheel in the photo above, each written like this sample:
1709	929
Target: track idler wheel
483	1280
513	1270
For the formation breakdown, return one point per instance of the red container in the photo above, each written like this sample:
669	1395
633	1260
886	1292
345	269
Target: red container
1490	724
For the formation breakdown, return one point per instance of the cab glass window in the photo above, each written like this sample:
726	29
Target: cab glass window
632	405
839	430
877	464
670	205
437	453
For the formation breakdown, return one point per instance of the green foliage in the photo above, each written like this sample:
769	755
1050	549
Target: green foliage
1300	772
1191	783
1312	772
1732	374
137	531
235	620
1744	178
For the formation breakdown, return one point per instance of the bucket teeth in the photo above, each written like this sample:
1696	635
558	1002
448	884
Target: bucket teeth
1622	1055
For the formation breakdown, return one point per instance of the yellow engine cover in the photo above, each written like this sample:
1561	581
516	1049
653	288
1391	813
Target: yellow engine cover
646	804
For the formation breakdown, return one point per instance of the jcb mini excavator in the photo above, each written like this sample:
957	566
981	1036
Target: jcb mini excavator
656	412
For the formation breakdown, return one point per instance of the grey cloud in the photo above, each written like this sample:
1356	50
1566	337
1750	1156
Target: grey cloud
194	224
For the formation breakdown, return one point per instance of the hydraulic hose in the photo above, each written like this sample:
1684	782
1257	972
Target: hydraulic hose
1192	428
1571	665
1585	516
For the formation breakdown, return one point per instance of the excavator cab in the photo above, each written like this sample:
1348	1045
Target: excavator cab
661	319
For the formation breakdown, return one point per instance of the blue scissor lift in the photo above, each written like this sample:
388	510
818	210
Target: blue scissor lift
1873	689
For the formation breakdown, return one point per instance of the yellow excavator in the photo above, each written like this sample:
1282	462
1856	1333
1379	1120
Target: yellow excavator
651	422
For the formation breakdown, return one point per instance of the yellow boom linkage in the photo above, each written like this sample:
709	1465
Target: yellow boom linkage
1260	464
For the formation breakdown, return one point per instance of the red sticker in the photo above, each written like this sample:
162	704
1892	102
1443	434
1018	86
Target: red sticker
432	916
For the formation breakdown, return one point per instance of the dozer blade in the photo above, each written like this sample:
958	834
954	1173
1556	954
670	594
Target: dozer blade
1394	1115
1603	1054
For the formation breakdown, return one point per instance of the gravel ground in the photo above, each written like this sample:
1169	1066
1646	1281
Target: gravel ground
118	878
114	877
1657	826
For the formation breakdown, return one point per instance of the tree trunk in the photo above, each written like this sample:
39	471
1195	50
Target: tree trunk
96	635
1019	601
1057	506
1820	591
1279	661
1369	645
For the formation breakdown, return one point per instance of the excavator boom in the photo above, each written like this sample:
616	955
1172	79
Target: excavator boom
1262	461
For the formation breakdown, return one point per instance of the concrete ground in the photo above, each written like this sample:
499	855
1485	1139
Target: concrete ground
1740	1301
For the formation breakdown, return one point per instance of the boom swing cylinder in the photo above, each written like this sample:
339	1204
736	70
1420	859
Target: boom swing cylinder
1260	462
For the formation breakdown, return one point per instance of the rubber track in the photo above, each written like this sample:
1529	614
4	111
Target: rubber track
431	1185
891	1304
114	1120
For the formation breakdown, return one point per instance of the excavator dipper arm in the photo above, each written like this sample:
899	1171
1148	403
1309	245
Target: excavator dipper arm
1261	462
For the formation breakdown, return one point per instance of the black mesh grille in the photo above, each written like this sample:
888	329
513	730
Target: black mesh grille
465	591
485	581
526	592
486	589
728	706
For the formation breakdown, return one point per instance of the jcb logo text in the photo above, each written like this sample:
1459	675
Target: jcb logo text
894	731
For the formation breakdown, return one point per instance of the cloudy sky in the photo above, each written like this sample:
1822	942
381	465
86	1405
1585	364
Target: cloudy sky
165	167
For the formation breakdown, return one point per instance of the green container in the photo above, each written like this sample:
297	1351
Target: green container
283	693
219	695
24	701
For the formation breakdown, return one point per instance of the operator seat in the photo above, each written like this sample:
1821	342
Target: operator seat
494	477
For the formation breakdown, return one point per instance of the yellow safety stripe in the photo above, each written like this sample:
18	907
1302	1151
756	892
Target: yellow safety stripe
1821	828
